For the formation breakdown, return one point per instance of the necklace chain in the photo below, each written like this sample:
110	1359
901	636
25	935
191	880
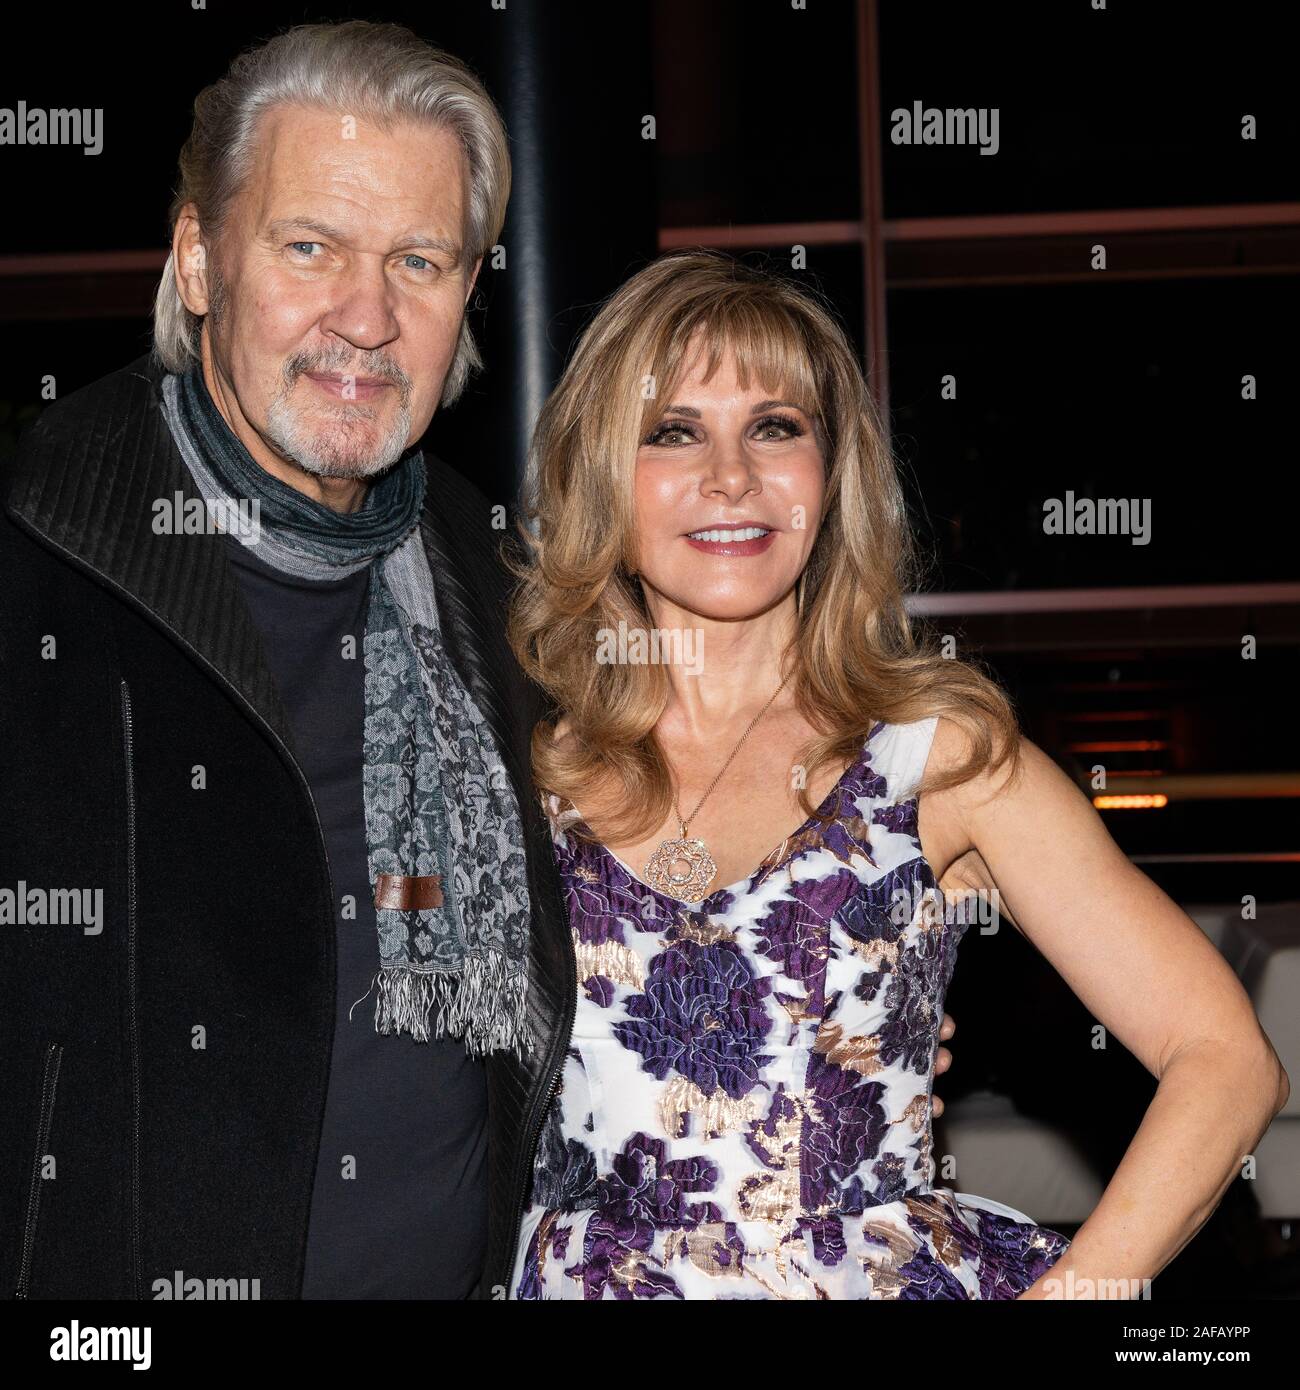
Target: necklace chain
684	822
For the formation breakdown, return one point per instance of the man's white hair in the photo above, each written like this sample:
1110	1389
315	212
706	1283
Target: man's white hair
381	72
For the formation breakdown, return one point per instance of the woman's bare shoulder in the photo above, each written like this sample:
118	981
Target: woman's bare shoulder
951	749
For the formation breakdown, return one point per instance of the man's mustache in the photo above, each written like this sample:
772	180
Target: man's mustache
385	370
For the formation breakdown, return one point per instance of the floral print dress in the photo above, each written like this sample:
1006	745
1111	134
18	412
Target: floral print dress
744	1109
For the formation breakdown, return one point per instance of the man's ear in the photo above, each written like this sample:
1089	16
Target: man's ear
473	279
190	261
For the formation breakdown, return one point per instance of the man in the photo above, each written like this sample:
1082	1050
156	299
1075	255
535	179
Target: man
258	702
186	715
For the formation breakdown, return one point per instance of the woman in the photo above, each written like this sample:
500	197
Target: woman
758	778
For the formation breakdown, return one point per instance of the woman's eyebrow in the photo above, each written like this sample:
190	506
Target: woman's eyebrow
757	410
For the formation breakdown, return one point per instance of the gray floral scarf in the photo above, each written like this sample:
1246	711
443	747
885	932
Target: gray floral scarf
445	841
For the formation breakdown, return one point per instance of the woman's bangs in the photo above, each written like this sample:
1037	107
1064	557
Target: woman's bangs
767	347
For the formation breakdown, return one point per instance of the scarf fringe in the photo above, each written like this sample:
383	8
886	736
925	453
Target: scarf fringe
482	1004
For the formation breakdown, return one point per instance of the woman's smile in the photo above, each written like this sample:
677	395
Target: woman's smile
746	538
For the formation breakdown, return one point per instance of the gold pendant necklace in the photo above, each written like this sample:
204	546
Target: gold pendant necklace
700	871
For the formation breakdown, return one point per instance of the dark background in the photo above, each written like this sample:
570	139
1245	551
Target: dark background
772	130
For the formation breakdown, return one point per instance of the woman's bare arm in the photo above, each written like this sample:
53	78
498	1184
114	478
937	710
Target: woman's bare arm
1148	974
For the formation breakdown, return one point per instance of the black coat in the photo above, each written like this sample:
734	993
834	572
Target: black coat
218	912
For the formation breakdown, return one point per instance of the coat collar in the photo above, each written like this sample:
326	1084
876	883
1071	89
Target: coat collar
85	482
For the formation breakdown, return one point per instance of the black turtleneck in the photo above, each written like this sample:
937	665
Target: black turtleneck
411	1220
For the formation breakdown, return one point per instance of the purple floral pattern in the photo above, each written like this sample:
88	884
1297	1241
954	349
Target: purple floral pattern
702	1016
745	1106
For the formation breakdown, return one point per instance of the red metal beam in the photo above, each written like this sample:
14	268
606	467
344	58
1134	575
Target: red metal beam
1095	600
871	185
1235	216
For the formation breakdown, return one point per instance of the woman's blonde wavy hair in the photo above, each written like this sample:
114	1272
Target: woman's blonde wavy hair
856	657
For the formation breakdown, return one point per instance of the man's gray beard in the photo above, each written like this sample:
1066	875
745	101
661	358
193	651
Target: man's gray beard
328	452
329	457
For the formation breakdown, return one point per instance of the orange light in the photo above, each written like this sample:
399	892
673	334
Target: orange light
1145	802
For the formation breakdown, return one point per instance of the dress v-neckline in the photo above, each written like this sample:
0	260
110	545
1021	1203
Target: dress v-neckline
775	854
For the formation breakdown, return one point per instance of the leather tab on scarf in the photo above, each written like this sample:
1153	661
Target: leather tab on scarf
408	892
